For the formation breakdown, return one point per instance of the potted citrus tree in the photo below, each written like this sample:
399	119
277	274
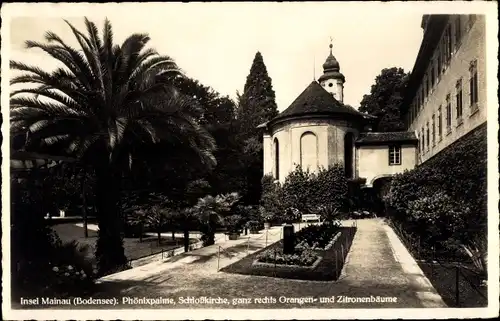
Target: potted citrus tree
233	225
254	226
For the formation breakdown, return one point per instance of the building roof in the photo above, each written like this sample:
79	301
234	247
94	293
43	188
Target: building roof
376	138
315	100
433	26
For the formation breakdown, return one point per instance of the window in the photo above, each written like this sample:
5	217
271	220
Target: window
439	62
433	130
433	76
440	122
473	88
459	99
423	140
426	87
394	155
458	31
448	43
428	137
448	113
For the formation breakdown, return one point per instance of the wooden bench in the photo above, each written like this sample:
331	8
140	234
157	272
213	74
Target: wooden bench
311	217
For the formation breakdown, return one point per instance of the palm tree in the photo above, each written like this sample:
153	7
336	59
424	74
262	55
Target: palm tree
103	107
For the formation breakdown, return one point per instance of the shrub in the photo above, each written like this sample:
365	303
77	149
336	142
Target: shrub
307	191
448	192
437	218
233	223
255	225
272	201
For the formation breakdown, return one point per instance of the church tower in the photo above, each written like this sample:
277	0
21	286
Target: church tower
332	80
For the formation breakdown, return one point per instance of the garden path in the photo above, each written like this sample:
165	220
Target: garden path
374	268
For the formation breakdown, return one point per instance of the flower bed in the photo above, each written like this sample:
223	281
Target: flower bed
311	241
305	264
301	258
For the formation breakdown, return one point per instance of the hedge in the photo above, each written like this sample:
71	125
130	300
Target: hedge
456	177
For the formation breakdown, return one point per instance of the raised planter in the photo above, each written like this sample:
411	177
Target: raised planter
322	252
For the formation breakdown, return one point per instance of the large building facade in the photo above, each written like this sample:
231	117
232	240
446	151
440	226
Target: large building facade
446	96
445	99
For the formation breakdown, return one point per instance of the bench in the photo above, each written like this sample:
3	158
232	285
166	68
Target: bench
311	217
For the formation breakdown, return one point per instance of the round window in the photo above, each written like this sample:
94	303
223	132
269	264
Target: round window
330	85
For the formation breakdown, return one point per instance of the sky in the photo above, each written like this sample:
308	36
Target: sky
216	42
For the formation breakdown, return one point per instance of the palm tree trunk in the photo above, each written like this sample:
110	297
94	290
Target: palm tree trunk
186	236
84	203
109	252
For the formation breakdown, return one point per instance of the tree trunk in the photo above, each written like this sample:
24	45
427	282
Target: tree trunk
141	232
159	236
110	253
84	203
173	234
186	237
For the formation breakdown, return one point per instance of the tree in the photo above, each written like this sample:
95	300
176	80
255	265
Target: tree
385	99
105	107
210	211
255	106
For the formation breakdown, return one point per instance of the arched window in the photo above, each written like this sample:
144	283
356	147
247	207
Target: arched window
276	159
309	151
348	154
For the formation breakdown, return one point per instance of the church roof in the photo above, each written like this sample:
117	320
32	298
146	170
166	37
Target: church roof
375	138
315	100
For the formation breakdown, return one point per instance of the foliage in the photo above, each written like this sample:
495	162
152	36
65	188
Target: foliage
256	105
385	97
210	211
446	195
302	258
438	217
272	202
255	225
233	223
36	248
308	191
477	250
316	236
107	107
329	212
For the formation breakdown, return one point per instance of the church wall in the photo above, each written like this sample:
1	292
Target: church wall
374	161
336	136
289	137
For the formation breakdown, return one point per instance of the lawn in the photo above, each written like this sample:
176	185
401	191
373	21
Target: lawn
328	269
134	249
444	280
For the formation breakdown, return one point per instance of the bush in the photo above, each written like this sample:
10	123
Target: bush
443	201
272	202
255	225
306	192
437	218
233	223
